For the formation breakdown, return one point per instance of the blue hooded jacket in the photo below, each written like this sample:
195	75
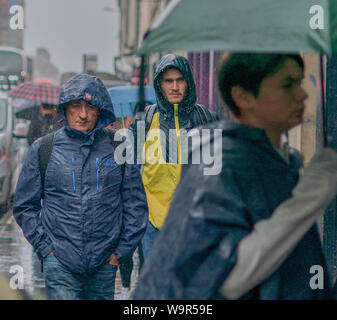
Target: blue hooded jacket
91	208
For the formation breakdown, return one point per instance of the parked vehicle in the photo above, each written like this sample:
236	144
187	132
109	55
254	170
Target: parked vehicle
13	147
15	67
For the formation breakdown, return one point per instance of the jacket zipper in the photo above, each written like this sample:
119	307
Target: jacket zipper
176	120
97	173
73	172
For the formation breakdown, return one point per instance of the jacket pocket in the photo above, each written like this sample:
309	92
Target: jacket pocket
61	177
108	174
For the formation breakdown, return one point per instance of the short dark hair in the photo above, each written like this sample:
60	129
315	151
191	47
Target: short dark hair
161	74
247	70
48	106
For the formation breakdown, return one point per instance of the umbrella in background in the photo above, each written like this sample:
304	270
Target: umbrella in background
261	26
28	96
125	99
245	25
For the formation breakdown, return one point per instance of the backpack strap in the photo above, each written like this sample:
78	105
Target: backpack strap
202	114
205	114
44	152
149	112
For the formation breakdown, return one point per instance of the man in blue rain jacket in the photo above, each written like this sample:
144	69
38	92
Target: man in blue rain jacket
94	211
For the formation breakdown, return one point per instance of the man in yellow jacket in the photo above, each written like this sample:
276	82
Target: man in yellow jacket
176	111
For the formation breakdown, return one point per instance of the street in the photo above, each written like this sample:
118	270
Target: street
17	254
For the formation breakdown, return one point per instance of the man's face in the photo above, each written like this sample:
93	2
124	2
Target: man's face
81	115
279	105
173	86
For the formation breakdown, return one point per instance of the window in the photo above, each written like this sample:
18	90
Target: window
3	114
11	62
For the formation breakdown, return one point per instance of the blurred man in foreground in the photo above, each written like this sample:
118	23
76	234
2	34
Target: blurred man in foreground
248	232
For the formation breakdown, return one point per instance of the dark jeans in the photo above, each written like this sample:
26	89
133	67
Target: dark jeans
62	284
148	239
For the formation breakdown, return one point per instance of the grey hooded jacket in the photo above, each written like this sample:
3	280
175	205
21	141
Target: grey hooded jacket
190	113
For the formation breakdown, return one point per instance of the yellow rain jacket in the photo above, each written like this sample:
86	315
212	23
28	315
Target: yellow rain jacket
160	178
161	170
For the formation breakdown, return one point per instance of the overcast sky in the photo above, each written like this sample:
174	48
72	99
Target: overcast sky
69	28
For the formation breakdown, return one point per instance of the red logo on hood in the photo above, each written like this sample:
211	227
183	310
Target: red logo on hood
88	96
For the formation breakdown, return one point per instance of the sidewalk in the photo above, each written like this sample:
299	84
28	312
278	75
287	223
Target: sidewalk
16	252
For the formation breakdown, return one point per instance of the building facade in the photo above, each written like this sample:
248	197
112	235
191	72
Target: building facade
44	69
136	16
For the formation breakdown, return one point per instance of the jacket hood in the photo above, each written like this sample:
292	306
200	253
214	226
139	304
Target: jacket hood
172	61
92	90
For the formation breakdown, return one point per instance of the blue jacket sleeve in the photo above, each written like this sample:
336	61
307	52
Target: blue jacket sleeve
135	212
27	203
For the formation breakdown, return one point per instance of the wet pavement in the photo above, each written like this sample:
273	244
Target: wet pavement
17	258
